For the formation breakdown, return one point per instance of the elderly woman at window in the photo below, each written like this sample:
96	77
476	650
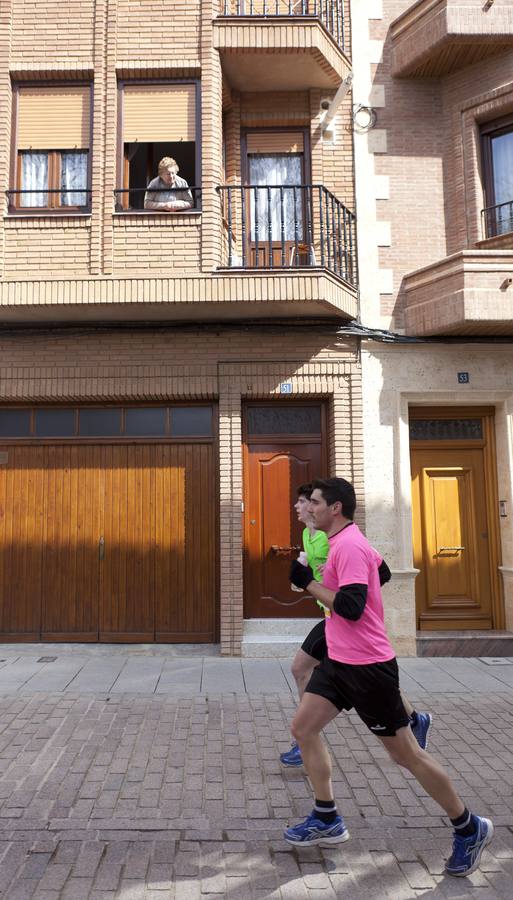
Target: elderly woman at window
168	192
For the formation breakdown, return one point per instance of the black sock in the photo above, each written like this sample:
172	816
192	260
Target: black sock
325	810
464	824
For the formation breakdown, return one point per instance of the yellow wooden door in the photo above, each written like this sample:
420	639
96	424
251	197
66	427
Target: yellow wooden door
451	539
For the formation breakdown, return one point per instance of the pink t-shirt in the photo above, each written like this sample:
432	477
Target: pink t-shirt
352	560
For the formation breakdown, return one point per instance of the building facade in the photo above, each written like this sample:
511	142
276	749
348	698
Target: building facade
174	365
436	231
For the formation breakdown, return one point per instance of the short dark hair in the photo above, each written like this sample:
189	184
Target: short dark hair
337	489
304	490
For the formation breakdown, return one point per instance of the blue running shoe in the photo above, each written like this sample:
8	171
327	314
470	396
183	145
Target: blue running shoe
421	729
466	851
292	757
312	832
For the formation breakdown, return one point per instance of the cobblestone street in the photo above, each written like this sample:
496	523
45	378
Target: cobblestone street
178	793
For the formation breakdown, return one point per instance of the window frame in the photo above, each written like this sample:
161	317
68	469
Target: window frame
54	159
121	167
488	131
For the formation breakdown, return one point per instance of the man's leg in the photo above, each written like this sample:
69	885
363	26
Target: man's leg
306	659
324	826
405	751
313	715
302	667
472	833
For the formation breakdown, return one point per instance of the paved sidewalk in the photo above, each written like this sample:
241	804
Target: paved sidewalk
146	776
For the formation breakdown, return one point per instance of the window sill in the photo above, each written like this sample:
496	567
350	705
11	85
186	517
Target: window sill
46	214
154	217
151	213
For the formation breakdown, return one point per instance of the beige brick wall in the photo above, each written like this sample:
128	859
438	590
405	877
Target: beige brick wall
110	39
159	29
47	29
34	247
167	244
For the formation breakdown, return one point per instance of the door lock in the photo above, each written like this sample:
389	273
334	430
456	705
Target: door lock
101	548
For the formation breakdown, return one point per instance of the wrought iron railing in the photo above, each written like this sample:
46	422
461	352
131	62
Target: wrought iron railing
169	199
288	227
42	198
331	13
498	219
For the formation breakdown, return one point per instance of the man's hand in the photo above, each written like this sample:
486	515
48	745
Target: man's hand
301	575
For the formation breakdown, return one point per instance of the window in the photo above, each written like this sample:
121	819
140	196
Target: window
169	422
498	175
53	128
159	119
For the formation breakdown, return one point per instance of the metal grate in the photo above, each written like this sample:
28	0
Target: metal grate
46	659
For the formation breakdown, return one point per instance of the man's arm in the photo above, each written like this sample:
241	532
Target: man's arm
349	601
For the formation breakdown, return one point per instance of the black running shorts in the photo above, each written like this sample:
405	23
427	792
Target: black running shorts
372	690
315	642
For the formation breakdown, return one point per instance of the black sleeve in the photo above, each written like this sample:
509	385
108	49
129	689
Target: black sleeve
384	573
350	601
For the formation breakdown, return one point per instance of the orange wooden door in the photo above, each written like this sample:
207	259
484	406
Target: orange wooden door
451	539
72	527
272	533
22	527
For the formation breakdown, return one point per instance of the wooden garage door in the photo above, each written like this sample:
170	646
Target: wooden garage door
108	541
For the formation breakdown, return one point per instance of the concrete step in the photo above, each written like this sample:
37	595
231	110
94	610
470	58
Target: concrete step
465	643
278	638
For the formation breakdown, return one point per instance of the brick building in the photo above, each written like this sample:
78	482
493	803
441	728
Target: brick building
434	186
169	376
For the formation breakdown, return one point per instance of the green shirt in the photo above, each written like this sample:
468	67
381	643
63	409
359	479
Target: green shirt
316	548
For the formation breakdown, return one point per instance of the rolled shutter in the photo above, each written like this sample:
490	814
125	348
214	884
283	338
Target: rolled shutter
54	118
159	112
275	142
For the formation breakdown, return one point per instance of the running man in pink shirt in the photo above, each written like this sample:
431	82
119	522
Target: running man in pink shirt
361	672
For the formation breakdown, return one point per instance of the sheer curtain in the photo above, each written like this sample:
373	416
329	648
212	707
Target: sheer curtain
502	154
274	205
34	178
74	179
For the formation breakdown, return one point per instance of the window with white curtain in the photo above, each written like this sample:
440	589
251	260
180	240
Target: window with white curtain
53	128
275	204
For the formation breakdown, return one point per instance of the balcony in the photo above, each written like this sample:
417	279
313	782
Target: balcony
468	293
292	45
285	251
436	37
498	225
288	228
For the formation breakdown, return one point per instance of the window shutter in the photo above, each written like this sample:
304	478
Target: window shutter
54	118
275	142
159	112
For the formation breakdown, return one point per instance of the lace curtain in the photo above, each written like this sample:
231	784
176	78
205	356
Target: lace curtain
73	179
276	206
34	178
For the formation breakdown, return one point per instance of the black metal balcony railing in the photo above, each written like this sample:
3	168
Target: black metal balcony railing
288	227
133	199
40	198
330	12
498	219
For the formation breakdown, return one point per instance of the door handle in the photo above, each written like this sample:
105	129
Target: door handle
450	548
277	549
101	548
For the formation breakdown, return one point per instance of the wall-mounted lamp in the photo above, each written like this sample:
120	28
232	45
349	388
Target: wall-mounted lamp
506	284
487	5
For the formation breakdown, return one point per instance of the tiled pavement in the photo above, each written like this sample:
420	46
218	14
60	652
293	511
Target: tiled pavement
133	775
